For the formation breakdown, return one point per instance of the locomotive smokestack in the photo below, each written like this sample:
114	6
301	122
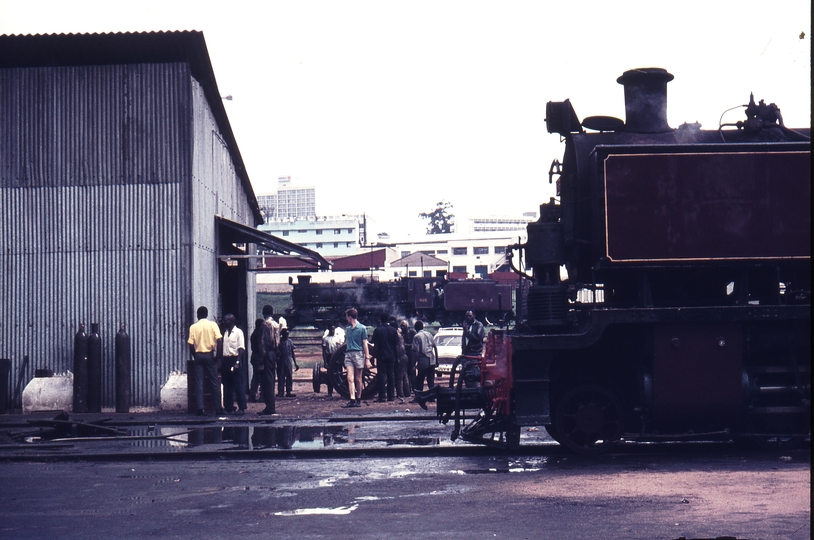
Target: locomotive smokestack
646	99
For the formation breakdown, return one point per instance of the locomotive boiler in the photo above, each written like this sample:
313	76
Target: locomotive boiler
669	287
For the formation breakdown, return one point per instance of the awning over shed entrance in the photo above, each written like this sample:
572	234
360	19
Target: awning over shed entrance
232	232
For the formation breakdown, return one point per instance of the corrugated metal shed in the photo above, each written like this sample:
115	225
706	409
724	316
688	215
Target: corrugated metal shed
115	158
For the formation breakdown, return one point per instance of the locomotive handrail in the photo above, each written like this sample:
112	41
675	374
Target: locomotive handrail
459	390
457	361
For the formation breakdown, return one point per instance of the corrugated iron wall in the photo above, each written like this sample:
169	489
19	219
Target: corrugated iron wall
216	190
95	187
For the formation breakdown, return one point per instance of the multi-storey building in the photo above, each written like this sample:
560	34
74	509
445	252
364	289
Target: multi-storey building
330	236
289	202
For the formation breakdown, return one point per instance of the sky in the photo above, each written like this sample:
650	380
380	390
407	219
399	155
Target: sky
389	107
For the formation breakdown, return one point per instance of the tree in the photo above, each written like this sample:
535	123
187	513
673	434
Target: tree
440	220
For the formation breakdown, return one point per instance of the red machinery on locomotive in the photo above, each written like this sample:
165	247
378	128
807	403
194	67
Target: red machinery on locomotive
669	287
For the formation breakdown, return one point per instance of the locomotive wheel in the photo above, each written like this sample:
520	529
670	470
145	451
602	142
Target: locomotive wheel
339	376
589	419
316	381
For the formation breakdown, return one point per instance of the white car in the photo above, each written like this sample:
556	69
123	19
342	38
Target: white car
448	341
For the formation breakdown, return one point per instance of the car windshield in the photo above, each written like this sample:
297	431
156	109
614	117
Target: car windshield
448	341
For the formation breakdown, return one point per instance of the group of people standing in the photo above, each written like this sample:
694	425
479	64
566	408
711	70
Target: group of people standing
397	349
391	351
273	358
405	358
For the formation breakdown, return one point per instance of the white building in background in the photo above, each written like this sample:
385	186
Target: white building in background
289	202
477	249
474	254
455	255
330	236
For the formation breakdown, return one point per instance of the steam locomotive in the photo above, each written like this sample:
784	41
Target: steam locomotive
431	299
669	287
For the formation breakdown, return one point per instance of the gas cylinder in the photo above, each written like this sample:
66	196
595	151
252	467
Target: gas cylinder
122	371
94	370
80	371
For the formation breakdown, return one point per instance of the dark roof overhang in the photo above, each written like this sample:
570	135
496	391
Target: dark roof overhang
232	232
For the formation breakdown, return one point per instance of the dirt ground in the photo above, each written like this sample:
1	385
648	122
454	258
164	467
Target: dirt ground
310	404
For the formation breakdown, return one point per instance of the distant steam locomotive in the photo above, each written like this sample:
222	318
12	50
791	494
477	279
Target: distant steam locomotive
670	287
435	299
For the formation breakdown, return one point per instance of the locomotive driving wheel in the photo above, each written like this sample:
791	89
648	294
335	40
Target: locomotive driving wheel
339	376
589	419
316	377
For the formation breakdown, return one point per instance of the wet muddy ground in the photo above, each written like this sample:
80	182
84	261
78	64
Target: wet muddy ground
695	493
384	470
308	421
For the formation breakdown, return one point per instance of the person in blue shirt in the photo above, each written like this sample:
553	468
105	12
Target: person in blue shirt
357	356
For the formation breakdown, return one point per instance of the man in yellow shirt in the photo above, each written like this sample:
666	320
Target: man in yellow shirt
204	342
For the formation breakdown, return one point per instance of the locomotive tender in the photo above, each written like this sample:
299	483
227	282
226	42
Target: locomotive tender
669	293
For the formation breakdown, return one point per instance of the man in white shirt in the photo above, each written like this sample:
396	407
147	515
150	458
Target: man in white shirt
426	354
331	341
234	355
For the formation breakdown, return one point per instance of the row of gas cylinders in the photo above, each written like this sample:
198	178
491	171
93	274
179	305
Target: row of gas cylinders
87	371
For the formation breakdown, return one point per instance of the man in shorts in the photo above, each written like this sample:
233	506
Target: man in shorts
357	356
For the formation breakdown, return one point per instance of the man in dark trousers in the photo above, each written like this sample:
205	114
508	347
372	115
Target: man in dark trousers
269	346
385	344
204	342
331	341
286	365
426	352
408	333
234	356
403	386
472	342
257	359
